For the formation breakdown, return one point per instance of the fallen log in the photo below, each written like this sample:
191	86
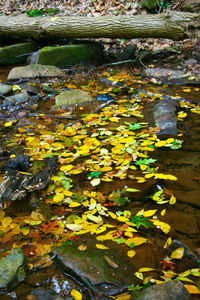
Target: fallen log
173	25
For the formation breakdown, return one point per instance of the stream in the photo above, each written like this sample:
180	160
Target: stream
54	281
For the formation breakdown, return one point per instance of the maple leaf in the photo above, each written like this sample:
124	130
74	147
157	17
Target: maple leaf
167	263
141	221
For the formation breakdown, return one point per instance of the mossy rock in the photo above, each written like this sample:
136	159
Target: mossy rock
12	270
63	56
32	71
17	53
72	97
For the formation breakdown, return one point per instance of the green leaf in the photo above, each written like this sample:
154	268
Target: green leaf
120	240
145	161
141	221
94	174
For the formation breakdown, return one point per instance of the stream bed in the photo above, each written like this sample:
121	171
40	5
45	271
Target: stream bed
122	144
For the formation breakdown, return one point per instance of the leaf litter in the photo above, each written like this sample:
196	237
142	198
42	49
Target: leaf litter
99	148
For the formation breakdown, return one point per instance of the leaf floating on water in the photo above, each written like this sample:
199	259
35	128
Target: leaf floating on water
82	247
149	213
141	270
139	275
124	296
111	262
168	242
76	294
172	200
100	246
131	253
178	253
192	289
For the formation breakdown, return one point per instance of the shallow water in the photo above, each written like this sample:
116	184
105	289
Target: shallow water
184	216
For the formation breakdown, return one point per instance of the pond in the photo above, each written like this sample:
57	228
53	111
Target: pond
124	193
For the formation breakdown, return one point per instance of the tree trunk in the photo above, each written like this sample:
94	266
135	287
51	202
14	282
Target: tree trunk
173	25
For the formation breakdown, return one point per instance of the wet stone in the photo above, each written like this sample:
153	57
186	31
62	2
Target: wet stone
171	76
45	294
91	268
5	89
171	290
33	71
18	98
189	259
72	97
12	270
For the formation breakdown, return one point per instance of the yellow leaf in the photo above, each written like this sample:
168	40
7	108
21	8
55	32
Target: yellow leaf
67	193
66	168
143	167
6	222
112	119
172	200
112	215
136	240
187	90
58	198
139	275
141	270
192	289
178	253
74	204
163	212
149	213
8	124
76	294
131	253
82	247
105	169
2	215
167	243
160	143
100	246
54	18
66	154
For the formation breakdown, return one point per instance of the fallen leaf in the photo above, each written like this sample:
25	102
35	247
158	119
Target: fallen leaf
76	294
111	262
178	253
192	289
100	246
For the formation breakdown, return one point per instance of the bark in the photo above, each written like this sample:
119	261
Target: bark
173	25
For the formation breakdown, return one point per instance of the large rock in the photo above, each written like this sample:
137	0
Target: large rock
32	71
92	268
171	76
16	53
72	97
5	89
12	270
63	56
171	290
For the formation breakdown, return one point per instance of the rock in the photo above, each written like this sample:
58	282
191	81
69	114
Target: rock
72	97
171	76
42	293
17	185
32	71
18	98
125	54
189	260
171	290
12	270
161	113
5	89
16	53
91	268
63	56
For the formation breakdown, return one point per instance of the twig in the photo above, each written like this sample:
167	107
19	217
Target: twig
118	63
